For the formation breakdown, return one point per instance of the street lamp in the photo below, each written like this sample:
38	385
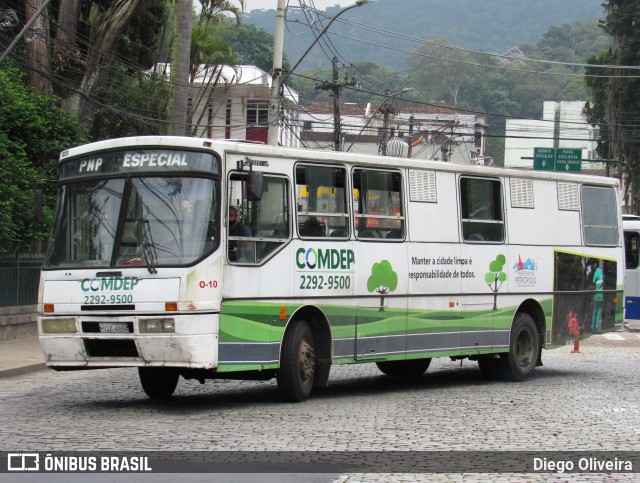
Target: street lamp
277	79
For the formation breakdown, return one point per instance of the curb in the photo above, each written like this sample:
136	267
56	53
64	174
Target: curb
20	371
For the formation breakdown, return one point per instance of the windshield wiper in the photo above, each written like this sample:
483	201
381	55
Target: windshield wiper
146	243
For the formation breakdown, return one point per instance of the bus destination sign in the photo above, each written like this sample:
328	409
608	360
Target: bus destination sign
136	161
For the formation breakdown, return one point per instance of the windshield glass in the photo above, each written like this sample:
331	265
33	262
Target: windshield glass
164	221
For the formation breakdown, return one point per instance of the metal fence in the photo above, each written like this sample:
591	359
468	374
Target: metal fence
19	278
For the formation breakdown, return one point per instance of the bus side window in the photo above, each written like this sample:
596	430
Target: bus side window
481	210
267	218
321	199
631	247
378	212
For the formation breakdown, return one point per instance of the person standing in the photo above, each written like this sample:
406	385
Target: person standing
598	281
236	228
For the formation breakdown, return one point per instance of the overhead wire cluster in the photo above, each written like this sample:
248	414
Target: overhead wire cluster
315	21
329	49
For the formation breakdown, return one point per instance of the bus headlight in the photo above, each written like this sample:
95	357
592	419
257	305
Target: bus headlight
59	326
157	326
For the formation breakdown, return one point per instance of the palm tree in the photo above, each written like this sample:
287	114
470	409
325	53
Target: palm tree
196	51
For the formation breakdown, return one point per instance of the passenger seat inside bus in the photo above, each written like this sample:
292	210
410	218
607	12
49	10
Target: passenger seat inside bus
312	227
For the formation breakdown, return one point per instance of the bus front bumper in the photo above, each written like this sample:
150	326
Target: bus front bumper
187	342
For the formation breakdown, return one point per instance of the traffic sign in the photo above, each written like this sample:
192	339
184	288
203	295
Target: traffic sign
568	159
544	159
557	159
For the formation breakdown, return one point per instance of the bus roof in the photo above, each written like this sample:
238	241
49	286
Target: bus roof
299	154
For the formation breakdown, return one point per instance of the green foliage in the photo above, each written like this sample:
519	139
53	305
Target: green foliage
616	99
142	36
490	26
33	131
134	104
250	45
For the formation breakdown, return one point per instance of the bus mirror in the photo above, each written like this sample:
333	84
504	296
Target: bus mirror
255	185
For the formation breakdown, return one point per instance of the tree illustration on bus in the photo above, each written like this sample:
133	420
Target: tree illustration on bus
495	277
383	280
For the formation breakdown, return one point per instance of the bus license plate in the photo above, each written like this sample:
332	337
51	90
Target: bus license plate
114	327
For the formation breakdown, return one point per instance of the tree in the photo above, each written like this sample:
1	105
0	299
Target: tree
141	111
495	277
250	45
33	131
105	32
180	67
383	280
444	69
616	95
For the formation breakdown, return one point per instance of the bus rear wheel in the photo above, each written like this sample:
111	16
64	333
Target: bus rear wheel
158	382
297	363
524	347
410	368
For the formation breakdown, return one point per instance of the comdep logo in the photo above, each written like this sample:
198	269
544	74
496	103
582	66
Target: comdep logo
23	462
110	284
324	259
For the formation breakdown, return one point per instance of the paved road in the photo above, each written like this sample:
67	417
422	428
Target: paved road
588	402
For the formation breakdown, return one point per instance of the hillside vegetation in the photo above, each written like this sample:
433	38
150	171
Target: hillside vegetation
489	26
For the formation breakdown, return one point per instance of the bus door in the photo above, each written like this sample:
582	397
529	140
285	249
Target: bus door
632	274
483	262
381	261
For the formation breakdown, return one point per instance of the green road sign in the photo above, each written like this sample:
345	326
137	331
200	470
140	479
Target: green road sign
568	159
544	159
557	159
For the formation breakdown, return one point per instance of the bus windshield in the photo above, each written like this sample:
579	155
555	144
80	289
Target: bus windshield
138	221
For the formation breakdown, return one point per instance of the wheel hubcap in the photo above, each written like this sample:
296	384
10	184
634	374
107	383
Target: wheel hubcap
524	348
306	360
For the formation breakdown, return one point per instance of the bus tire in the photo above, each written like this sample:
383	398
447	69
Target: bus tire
522	357
297	363
158	382
408	368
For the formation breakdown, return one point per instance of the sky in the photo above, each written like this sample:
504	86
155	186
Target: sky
272	4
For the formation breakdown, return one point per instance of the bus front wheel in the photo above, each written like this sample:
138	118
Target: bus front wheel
523	349
158	382
297	363
410	368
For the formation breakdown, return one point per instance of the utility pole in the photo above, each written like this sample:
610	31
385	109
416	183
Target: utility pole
386	108
278	79
410	150
335	87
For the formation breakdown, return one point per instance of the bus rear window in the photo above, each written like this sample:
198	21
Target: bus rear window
599	216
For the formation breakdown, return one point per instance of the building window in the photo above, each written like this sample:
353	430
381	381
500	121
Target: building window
258	113
227	121
307	126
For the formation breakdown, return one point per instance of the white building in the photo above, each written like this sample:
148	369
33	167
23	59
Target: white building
233	103
431	131
563	125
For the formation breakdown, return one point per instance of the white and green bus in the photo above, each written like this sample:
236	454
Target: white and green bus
344	259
